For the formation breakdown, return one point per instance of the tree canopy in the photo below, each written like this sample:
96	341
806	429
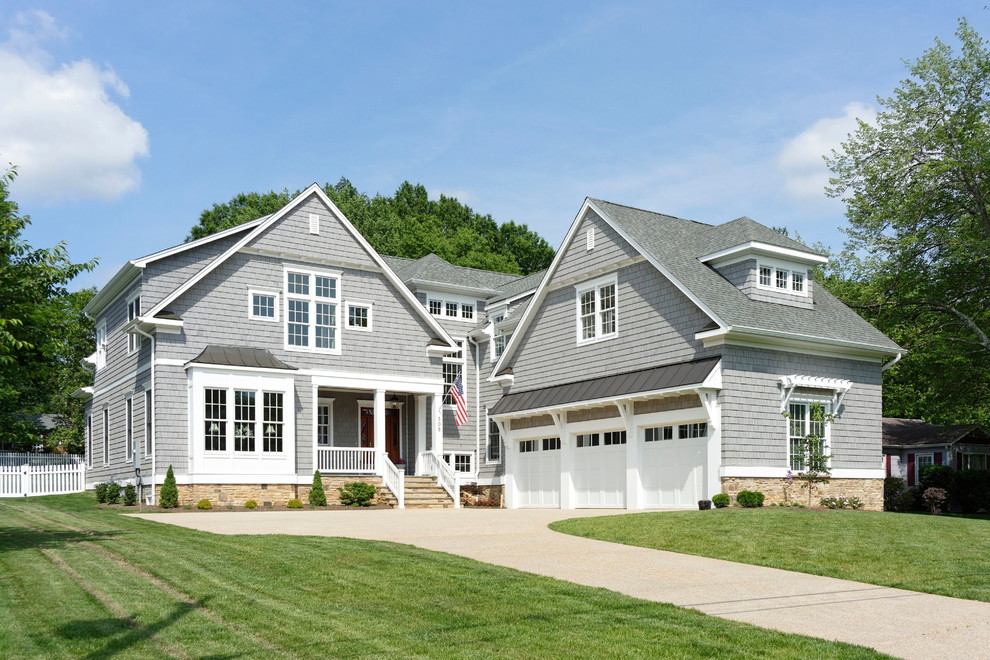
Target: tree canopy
916	186
407	224
43	332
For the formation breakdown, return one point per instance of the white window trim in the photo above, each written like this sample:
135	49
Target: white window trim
106	436
495	334
470	454
324	401
101	345
488	429
596	286
459	301
256	292
808	400
313	300
790	268
149	419
450	359
89	439
358	303
133	340
917	466
129	427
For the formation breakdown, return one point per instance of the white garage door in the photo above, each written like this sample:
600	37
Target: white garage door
600	471
537	474
673	473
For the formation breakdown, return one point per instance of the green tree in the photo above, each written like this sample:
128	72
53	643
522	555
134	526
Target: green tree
169	495
42	331
916	186
407	224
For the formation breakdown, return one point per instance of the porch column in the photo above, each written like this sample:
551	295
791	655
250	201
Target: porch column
438	425
713	481
379	428
509	448
567	496
634	485
420	429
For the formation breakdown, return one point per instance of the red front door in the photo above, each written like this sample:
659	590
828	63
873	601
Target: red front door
391	431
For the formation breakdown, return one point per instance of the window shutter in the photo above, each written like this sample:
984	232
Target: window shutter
938	458
910	470
887	457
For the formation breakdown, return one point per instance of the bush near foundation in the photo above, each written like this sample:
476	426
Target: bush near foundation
251	504
317	496
113	492
130	495
721	500
892	489
749	499
204	504
356	493
294	504
972	491
170	492
101	492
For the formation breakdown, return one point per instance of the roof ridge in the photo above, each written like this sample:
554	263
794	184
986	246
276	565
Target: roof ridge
642	210
479	270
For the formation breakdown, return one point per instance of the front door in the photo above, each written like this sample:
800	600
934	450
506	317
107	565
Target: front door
392	437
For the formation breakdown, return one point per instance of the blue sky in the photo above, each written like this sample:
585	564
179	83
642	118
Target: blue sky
127	119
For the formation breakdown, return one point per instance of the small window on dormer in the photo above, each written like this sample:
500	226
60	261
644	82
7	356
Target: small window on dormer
781	279
797	281
314	223
765	274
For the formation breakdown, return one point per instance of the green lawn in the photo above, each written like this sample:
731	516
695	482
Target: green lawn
81	581
935	554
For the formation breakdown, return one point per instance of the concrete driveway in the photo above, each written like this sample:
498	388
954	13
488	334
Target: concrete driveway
902	623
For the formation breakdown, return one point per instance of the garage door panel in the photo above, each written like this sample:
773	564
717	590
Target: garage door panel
600	477
673	473
538	479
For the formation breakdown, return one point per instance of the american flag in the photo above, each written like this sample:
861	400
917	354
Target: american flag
457	394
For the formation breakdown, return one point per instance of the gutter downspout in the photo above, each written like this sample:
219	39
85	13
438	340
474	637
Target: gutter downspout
477	398
154	391
891	363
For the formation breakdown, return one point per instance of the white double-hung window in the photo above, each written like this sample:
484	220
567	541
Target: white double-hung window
596	310
312	311
807	437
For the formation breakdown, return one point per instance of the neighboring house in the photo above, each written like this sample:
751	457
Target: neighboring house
912	444
650	366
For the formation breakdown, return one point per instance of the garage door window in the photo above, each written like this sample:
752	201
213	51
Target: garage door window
526	446
695	430
549	444
614	438
588	440
658	433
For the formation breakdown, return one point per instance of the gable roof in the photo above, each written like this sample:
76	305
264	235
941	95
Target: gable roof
519	286
898	432
266	222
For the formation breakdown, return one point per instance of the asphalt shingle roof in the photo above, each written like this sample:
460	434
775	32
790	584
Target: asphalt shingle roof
677	244
432	268
900	432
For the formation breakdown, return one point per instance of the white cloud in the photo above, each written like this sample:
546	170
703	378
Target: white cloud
59	124
801	162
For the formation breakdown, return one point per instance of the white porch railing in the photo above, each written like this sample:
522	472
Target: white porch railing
429	464
395	480
346	460
23	474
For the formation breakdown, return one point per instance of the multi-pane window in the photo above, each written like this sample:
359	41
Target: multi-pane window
782	278
460	461
89	440
133	311
799	427
451	309
765	274
494	442
359	316
453	366
273	421
312	305
467	312
526	446
550	444
147	422
101	345
215	419
596	312
264	306
244	419
921	461
436	307
797	281
129	428
588	440
106	436
658	433
324	421
499	338
614	438
693	430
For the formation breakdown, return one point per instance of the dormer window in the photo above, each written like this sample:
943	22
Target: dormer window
782	279
765	273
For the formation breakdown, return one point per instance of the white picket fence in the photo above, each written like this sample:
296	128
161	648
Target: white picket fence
23	475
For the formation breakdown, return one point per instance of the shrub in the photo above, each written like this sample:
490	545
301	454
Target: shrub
892	488
907	501
251	504
972	490
101	492
170	492
294	504
937	476
704	505
317	496
721	500
934	498
130	495
204	504
356	493
841	502
750	499
113	492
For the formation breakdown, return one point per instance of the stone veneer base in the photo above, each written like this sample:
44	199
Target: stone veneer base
221	495
781	491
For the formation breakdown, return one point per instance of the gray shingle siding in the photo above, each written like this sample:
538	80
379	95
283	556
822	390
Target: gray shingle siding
754	432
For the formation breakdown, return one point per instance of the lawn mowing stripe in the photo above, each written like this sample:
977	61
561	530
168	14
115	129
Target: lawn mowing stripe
114	608
163	585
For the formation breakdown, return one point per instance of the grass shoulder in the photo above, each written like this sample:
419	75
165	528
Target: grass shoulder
932	554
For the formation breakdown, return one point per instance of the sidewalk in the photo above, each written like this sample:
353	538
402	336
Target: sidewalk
907	624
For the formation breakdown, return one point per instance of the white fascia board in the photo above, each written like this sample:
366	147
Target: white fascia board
659	266
149	324
118	284
504	380
141	262
444	287
605	401
83	393
783	340
756	247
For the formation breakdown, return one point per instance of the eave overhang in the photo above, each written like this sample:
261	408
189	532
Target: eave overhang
762	249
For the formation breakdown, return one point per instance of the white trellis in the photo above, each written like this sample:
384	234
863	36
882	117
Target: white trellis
25	474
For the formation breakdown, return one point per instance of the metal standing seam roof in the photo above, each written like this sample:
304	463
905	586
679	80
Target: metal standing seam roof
643	380
677	244
239	356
